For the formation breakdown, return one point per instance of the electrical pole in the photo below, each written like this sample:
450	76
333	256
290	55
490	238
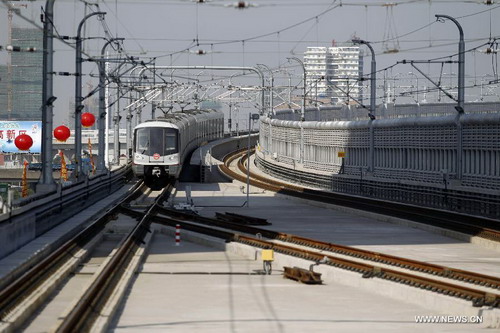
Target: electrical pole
101	165
46	182
461	94
371	114
303	109
78	96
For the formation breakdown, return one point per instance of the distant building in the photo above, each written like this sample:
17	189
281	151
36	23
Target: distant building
25	87
318	62
3	91
333	73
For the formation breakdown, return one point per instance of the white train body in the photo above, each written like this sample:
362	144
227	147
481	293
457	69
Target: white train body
160	146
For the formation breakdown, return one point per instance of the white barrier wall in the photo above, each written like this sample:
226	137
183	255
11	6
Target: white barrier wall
422	148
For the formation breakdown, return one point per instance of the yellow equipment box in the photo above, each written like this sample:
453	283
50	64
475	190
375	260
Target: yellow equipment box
267	255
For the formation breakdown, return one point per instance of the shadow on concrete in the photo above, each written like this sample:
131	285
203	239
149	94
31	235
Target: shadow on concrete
289	215
199	186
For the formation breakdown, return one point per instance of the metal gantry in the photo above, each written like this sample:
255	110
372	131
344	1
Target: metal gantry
182	93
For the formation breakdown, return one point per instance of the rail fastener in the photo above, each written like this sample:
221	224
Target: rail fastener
375	272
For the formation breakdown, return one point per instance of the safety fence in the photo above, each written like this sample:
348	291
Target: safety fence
442	197
422	149
427	154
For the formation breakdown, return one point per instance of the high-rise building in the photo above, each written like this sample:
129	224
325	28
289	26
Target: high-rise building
27	77
3	91
319	68
333	73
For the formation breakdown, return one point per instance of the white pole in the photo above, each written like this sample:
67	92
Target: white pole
106	103
248	159
177	234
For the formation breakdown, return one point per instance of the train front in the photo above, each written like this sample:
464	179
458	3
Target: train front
156	153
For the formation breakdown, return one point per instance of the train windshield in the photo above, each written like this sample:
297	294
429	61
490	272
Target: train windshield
156	140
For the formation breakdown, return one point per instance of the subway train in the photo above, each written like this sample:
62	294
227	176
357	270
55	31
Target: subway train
161	145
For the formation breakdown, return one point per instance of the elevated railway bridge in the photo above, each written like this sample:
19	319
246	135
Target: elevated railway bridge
304	191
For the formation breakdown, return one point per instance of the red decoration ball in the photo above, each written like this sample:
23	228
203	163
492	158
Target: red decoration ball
88	119
62	133
23	142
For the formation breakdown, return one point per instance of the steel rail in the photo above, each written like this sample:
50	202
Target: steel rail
44	212
410	264
478	297
471	225
17	290
471	277
80	317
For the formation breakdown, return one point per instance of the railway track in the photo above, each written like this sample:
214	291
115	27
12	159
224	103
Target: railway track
377	257
481	290
22	297
470	225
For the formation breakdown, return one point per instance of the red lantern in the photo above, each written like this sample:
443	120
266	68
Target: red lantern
23	142
88	119
61	133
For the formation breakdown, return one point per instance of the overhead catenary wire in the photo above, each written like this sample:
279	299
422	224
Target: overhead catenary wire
332	7
452	42
315	17
119	21
37	26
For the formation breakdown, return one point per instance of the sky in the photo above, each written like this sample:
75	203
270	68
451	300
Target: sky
268	32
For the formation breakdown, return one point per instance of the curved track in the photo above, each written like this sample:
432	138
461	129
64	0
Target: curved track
427	273
467	224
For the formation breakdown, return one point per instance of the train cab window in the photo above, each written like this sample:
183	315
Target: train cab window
142	143
156	140
170	141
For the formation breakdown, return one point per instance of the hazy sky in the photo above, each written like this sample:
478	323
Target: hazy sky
158	28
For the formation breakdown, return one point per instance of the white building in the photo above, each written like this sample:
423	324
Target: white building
333	73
